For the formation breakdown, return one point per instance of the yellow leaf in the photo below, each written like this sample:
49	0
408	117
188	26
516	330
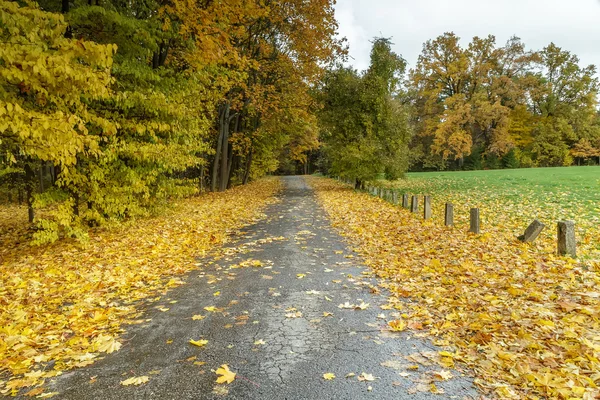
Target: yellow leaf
135	380
443	375
328	376
226	375
397	325
199	342
107	344
198	317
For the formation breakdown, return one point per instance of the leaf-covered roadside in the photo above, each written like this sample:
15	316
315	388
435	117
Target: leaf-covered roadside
62	306
525	321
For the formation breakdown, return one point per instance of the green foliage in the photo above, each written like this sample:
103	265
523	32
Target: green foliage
365	127
474	161
510	160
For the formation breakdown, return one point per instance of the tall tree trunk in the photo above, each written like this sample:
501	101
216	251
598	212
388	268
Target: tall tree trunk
225	148
215	167
201	178
41	174
76	200
29	189
247	168
230	165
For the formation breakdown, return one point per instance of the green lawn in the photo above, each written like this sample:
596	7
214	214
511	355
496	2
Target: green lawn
510	199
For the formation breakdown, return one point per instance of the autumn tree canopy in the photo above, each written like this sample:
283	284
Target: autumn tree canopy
110	109
500	102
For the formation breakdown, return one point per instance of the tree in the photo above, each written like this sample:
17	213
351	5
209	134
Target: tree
365	127
564	97
464	96
47	82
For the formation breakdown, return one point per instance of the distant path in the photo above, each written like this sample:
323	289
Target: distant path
295	238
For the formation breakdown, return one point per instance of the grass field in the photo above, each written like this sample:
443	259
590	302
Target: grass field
511	199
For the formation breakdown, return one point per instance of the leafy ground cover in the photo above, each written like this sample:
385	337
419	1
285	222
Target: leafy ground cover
510	199
523	319
63	305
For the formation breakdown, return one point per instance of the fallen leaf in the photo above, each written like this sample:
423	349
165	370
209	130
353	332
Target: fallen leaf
397	325
347	305
199	342
442	375
135	380
226	376
366	377
328	376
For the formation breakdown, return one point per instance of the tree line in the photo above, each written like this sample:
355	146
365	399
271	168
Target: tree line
461	107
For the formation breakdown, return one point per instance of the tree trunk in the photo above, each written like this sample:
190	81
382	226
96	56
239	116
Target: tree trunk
202	178
75	203
215	168
41	174
358	184
29	189
225	147
248	165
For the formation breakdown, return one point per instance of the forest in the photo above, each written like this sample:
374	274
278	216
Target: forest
110	109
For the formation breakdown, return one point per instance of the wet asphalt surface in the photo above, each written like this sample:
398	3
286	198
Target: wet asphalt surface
269	325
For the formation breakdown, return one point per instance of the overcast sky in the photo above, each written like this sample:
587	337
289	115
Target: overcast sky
573	25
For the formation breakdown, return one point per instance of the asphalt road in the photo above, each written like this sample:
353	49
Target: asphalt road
269	325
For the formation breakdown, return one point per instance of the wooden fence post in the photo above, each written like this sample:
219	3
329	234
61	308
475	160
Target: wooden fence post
405	200
449	215
475	228
394	197
426	207
414	204
532	231
566	239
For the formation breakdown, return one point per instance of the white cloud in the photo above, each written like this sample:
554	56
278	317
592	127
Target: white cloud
572	25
